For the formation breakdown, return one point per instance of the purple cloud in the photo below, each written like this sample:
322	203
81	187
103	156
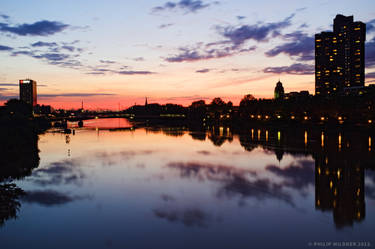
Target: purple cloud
44	44
205	70
256	32
41	28
302	46
190	6
297	68
370	53
5	48
206	53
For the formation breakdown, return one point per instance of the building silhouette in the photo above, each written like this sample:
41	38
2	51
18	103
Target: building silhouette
28	91
279	90
339	57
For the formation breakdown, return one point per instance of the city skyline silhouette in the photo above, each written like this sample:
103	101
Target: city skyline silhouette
247	54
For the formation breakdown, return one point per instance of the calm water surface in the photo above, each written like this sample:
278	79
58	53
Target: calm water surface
174	188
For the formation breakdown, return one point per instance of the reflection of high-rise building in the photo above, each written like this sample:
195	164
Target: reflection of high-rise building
339	56
28	91
339	187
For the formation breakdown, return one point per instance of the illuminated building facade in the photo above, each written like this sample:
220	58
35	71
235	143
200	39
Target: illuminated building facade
340	57
28	91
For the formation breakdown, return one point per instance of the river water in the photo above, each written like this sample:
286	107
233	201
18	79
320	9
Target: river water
176	188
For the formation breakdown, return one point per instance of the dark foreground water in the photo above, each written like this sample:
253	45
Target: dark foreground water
174	188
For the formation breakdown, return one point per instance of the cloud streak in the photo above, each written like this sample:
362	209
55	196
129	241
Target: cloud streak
370	26
301	46
189	6
44	44
103	71
74	95
370	53
8	84
256	32
205	70
166	25
5	48
41	28
234	43
297	69
200	52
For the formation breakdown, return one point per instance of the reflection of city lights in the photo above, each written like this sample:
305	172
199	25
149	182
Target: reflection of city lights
319	171
279	136
358	215
267	136
305	137
252	133
258	134
330	184
322	138
338	174
339	141
358	192
369	143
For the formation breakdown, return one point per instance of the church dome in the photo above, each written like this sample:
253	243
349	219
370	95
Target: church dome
279	90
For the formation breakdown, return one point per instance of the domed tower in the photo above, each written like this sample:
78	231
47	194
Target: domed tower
279	90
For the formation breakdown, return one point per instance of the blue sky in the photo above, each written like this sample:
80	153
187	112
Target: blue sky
110	52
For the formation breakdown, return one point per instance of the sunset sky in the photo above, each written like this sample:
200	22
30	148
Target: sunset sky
111	52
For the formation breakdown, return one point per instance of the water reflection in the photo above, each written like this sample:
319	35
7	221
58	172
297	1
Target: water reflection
18	157
338	170
185	181
339	174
